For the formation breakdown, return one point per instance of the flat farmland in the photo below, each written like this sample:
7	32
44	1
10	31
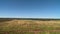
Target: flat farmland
16	26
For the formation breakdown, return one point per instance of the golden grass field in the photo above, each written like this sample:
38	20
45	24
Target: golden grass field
30	27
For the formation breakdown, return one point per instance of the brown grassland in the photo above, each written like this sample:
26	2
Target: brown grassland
30	27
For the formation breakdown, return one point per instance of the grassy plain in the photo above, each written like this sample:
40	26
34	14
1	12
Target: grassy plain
16	26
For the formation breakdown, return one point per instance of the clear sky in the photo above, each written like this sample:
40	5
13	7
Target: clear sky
30	8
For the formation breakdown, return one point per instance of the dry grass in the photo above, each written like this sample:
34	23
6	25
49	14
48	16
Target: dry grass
27	25
21	22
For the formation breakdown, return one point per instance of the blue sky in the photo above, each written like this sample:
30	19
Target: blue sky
30	8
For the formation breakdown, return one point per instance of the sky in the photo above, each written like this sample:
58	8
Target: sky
30	8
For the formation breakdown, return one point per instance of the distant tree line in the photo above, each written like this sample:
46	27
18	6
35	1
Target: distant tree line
42	19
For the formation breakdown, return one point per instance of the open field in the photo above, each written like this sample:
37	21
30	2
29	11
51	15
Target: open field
23	26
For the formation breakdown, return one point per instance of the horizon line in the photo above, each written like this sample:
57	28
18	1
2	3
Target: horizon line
33	17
